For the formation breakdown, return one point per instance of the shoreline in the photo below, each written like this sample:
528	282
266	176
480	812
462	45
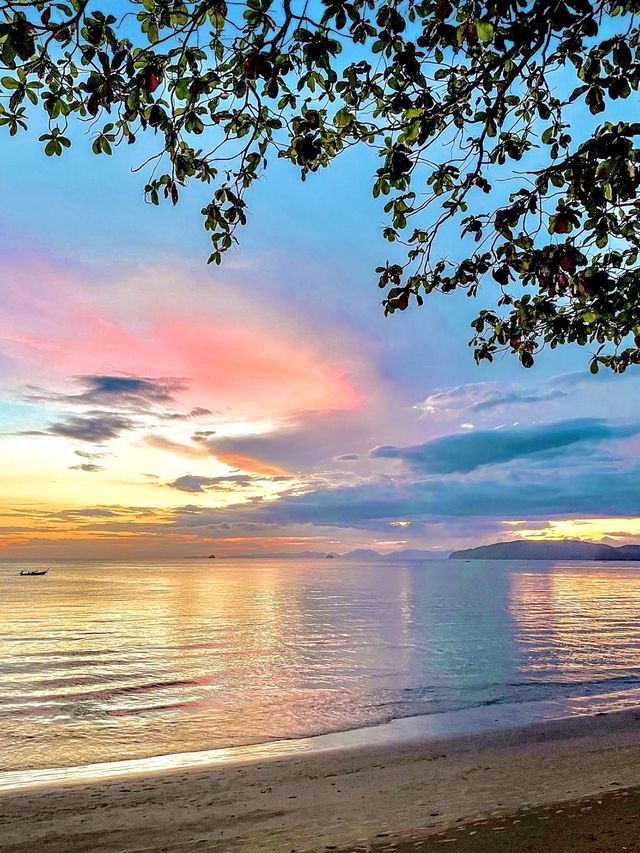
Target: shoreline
424	728
337	797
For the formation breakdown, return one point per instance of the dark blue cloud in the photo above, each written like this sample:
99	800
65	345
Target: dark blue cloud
475	397
468	451
191	483
198	412
117	391
90	467
94	428
443	492
89	512
373	505
124	385
91	455
118	400
202	435
517	397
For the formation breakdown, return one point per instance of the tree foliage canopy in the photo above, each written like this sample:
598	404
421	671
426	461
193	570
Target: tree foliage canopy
505	166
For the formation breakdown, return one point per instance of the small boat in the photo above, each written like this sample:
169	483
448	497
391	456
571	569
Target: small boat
36	573
211	557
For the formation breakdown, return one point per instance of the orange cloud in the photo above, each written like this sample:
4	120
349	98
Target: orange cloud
242	462
251	465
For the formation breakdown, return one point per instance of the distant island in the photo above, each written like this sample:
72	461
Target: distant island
359	554
518	549
562	549
403	555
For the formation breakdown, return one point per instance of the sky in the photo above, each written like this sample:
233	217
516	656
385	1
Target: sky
154	406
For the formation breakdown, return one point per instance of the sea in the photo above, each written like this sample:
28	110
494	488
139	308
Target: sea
107	662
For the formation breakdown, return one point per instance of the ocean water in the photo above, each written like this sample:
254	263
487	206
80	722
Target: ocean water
104	662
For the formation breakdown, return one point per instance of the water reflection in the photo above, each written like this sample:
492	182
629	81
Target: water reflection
577	622
146	657
102	661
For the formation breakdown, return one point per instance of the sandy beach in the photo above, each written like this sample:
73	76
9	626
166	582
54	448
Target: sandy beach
419	795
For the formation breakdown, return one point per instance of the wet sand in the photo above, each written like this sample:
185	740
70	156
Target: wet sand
516	790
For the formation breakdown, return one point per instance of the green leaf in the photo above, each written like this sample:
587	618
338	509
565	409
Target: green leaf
485	30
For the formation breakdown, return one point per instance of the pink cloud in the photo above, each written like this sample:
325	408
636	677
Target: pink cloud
236	356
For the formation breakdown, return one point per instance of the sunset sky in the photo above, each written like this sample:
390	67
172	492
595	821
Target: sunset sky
152	405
